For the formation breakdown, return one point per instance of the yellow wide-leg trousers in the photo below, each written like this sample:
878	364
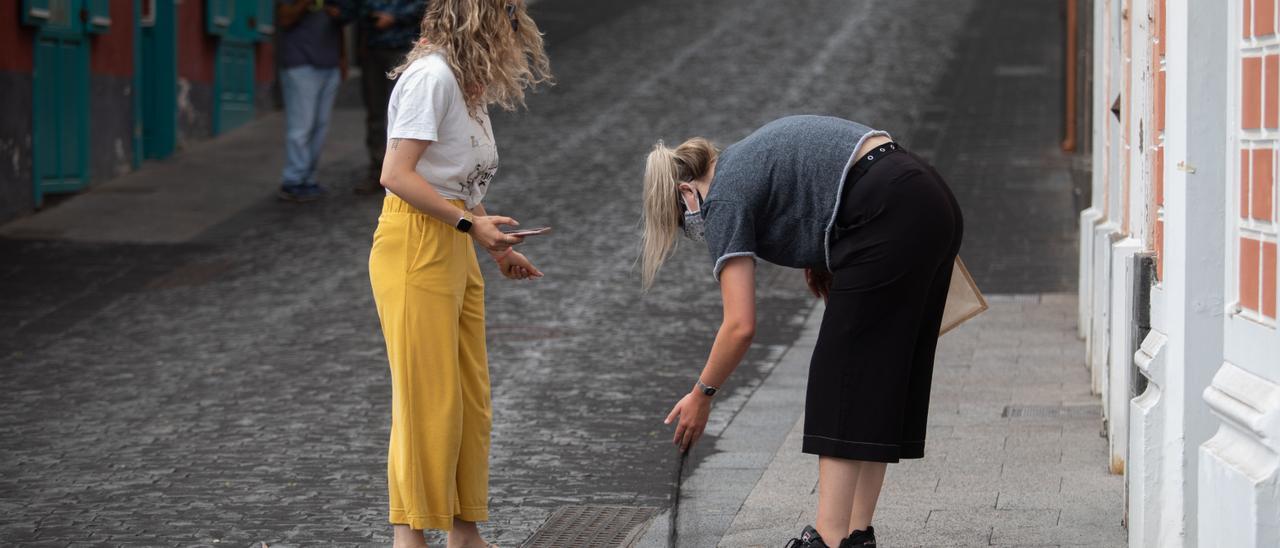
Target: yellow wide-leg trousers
430	297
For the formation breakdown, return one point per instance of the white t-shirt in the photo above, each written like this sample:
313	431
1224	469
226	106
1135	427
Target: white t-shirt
427	104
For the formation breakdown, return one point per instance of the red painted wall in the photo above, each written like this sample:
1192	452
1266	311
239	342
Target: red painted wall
112	52
15	39
264	63
195	48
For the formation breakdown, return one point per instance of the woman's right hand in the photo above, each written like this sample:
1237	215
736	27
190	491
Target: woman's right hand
488	232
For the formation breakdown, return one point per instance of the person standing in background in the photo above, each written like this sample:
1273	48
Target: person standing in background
312	64
386	31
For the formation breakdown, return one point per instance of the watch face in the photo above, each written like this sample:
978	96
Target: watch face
464	225
709	391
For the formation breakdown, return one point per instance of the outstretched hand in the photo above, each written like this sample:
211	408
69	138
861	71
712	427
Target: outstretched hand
691	412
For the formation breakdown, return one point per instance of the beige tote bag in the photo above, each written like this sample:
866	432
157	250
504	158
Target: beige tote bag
964	301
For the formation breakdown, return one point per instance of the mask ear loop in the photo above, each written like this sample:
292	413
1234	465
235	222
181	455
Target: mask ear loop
684	199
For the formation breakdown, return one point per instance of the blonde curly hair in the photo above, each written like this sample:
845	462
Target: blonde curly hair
494	64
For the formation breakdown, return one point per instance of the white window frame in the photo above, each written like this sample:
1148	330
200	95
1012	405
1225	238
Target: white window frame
1251	341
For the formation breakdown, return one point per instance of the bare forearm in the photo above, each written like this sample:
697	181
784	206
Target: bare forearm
737	290
732	343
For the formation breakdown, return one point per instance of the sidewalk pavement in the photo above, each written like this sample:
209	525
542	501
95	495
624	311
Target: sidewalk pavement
989	476
178	199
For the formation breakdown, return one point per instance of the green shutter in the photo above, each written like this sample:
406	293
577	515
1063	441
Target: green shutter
99	20
266	19
218	16
35	12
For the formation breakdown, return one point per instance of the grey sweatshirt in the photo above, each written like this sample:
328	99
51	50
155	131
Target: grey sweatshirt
775	194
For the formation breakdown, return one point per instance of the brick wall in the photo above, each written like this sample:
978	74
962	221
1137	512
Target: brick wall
112	52
1258	116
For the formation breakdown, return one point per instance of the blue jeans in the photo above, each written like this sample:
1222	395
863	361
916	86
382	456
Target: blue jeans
309	93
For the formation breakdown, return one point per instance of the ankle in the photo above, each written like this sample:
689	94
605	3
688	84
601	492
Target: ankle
830	535
860	538
465	534
406	537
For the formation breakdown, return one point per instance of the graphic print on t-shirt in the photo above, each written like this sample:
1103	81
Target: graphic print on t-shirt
486	153
478	179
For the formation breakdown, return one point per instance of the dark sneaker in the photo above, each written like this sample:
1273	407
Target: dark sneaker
860	538
296	193
314	190
809	538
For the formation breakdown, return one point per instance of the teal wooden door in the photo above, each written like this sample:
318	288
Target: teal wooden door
233	77
59	121
240	24
157	79
60	82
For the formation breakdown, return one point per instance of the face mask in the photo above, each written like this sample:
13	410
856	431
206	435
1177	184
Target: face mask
693	225
694	228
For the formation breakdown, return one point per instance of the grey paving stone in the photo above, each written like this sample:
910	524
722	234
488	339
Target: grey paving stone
1065	535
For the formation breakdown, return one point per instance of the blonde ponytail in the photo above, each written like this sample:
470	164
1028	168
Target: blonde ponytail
664	170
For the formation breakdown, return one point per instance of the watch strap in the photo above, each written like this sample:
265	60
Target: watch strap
464	223
706	388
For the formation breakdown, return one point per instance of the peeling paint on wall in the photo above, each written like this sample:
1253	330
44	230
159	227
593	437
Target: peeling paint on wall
15	145
14	149
185	110
123	159
195	105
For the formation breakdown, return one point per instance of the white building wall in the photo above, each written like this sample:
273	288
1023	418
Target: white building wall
1174	484
1238	467
1201	444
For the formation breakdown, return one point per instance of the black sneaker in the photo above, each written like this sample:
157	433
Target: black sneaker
296	193
809	538
860	538
314	190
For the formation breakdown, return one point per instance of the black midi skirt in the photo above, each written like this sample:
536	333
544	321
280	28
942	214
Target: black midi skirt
896	234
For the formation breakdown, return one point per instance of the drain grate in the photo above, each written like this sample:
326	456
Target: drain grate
592	526
1052	411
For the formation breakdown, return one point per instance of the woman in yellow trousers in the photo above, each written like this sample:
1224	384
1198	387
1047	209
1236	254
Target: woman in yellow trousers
441	157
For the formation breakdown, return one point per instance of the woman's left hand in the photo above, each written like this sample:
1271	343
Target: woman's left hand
516	266
691	411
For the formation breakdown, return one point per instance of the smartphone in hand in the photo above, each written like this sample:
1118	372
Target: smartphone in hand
522	232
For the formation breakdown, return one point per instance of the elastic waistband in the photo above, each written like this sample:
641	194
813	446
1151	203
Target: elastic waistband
863	164
395	204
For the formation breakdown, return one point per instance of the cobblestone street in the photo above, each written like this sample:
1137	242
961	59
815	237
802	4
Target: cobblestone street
232	388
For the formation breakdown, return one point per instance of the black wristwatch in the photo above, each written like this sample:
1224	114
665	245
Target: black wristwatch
464	224
707	390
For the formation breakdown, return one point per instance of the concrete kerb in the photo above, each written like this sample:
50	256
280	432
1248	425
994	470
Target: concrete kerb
728	471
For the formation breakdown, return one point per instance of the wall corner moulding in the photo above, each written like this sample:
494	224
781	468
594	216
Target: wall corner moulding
1147	449
1239	465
